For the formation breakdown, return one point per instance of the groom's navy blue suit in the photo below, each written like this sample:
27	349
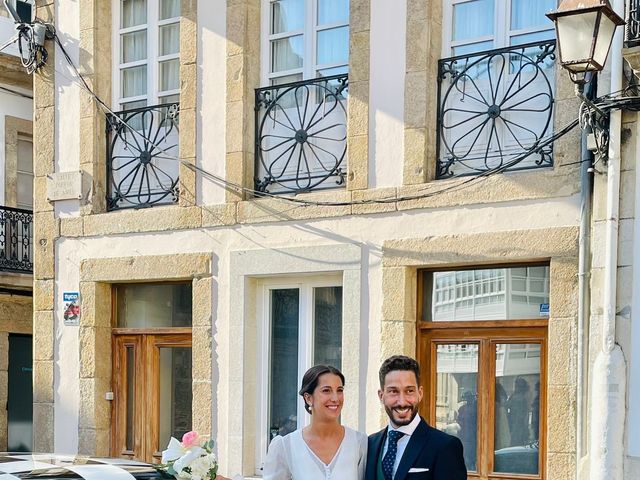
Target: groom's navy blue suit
432	454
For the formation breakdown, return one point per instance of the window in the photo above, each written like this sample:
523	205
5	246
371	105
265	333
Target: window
498	104
24	186
146	52
305	39
482	345
300	325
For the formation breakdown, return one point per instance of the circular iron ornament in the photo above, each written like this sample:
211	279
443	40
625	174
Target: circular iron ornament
505	95
301	135
135	175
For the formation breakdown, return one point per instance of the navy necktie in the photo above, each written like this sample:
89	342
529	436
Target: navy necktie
390	457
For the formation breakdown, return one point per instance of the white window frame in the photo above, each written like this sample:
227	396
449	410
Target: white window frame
502	32
306	284
310	68
154	95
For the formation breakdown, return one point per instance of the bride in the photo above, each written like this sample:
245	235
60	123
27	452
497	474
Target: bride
324	450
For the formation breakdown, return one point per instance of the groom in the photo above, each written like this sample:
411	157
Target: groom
408	448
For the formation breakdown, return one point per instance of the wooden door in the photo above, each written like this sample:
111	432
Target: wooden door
152	392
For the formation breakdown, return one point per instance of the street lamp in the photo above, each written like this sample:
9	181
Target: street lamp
585	30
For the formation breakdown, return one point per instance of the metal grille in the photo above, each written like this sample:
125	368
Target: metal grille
16	236
632	29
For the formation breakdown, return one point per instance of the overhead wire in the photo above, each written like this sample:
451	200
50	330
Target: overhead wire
465	181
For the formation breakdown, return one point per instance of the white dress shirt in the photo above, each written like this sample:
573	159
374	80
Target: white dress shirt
402	441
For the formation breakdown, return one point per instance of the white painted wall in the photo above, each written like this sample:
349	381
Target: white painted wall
386	95
67	99
13	106
220	242
212	81
67	148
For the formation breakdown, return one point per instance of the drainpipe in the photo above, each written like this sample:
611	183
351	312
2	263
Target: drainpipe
586	193
609	370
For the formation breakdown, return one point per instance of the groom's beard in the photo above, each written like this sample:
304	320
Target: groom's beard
400	421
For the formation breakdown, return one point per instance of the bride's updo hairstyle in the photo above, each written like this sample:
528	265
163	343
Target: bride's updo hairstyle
311	378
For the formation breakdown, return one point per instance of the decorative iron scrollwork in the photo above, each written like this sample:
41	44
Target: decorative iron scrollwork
16	236
494	107
301	135
632	28
142	157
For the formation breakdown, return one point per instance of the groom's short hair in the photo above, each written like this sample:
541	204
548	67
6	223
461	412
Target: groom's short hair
399	362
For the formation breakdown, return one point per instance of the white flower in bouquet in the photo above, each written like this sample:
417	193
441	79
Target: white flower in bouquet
188	460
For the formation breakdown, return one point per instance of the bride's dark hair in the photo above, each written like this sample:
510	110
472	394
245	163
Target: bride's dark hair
311	378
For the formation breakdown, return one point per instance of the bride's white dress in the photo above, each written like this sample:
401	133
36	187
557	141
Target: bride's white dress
290	458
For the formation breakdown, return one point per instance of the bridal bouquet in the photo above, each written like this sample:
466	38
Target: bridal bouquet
190	459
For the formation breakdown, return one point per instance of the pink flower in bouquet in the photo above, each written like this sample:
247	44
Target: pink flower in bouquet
190	439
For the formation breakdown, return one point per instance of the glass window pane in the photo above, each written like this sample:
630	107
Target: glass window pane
132	13
532	37
169	75
175	393
25	154
287	53
327	326
25	190
457	396
473	48
517	408
286	79
170	99
283	362
153	306
333	46
131	383
528	14
169	9
472	19
287	15
482	294
134	81
169	39
133	46
333	11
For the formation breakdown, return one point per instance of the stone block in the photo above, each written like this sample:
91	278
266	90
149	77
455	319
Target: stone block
563	297
4	352
234	173
561	411
561	466
202	354
157	219
95	301
44	142
93	442
187	183
359	56
624	292
71	227
188	133
629	141
43	295
397	338
627	194
95	352
562	369
95	411
417	44
399	286
235	126
380	194
201	406
219	214
359	16
40	202
43	427
202	305
358	107
43	335
415	102
43	92
188	86
235	78
358	162
43	382
236	28
414	156
188	40
625	242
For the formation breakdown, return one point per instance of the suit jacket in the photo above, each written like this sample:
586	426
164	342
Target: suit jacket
436	453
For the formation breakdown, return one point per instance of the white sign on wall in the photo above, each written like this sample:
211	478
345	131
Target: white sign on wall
64	186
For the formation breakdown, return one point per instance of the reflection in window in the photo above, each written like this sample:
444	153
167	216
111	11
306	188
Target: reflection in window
517	408
487	294
457	396
154	306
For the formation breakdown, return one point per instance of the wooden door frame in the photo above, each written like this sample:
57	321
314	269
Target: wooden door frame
147	344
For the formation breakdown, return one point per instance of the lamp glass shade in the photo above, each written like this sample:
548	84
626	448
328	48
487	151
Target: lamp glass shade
575	37
603	42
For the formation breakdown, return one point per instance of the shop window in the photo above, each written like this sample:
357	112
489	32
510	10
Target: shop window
482	344
300	324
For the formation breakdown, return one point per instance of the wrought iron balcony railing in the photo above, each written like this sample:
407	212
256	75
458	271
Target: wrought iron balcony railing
16	236
494	107
632	28
142	157
301	135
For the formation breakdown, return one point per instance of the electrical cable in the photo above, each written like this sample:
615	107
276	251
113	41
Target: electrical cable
242	189
15	92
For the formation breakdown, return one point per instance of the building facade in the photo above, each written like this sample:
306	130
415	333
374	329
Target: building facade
245	188
16	229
